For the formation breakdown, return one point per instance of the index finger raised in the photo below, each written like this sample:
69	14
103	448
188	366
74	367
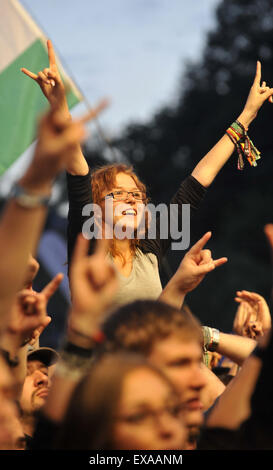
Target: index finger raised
102	247
51	53
52	286
200	244
257	79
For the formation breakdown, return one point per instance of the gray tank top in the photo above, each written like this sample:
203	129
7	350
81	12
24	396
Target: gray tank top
142	283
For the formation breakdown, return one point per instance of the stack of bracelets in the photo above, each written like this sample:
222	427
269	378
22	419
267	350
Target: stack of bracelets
238	135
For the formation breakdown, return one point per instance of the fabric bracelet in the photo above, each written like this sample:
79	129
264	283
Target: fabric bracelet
211	338
245	147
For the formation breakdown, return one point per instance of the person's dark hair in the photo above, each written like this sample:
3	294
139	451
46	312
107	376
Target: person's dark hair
139	325
89	419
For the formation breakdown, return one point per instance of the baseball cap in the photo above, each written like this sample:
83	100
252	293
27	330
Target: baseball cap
47	356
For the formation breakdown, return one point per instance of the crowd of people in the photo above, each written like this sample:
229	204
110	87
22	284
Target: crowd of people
136	370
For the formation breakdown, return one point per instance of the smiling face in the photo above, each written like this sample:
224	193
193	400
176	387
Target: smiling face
148	417
128	213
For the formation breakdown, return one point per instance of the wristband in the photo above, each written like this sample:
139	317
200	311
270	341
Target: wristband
245	147
75	350
211	338
75	362
28	200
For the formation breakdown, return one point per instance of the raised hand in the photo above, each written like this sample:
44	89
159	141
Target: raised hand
93	283
192	270
50	80
57	138
195	265
258	94
243	319
29	314
47	292
52	286
253	317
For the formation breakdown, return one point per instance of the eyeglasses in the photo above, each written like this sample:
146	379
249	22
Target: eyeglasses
123	195
150	417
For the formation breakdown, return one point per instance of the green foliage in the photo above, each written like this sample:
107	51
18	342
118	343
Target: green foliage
210	96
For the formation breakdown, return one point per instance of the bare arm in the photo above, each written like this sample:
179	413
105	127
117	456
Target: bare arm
210	165
20	229
93	284
213	388
237	348
21	226
233	407
53	88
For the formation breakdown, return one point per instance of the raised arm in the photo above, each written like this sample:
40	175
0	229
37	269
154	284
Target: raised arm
27	319
93	284
25	213
237	348
210	165
51	84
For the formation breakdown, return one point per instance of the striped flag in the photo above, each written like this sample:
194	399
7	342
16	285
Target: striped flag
22	44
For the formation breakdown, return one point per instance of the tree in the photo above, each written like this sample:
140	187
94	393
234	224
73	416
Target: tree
210	96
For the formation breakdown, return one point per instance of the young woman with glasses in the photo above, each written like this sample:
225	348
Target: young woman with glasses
137	259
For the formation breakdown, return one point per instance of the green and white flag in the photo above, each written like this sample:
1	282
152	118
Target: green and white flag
22	44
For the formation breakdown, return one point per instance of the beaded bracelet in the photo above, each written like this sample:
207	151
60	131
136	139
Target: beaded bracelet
238	135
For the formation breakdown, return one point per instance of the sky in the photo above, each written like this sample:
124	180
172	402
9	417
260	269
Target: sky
131	51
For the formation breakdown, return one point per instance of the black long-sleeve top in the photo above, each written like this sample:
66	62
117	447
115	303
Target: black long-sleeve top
79	194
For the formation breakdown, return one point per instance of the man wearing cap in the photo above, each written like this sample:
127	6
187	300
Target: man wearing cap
36	385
